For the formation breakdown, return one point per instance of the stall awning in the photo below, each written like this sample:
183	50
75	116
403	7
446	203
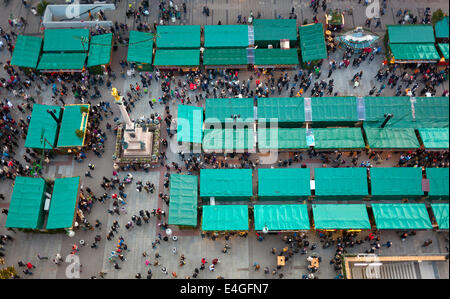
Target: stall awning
395	182
226	183
431	112
401	216
26	209
434	138
223	57
223	110
284	183
226	36
272	31
63	203
341	183
340	216
183	200
439	183
177	58
189	124
338	138
410	34
42	124
66	40
414	51
228	139
26	51
140	47
377	107
62	61
281	217
392	138
441	28
285	110
312	42
444	50
72	120
334	109
441	213
225	218
178	37
100	50
273	57
282	138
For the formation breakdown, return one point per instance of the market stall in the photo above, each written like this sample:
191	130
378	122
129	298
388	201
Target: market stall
225	218
403	216
276	218
226	184
341	217
281	184
396	183
183	200
340	183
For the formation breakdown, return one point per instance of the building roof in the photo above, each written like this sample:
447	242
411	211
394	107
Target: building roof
226	36
178	37
72	120
284	182
312	42
63	203
225	218
100	50
281	217
140	48
340	216
183	200
401	216
26	51
42	122
189	124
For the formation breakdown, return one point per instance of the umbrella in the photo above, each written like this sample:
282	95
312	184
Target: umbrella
358	39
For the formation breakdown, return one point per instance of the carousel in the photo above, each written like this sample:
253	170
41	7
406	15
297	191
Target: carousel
357	39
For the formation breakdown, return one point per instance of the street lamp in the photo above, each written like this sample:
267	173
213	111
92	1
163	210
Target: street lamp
387	116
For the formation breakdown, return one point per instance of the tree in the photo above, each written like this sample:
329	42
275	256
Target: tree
41	7
79	133
84	109
437	16
8	273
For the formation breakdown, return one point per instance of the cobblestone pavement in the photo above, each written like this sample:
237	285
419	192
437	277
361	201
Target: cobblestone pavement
244	252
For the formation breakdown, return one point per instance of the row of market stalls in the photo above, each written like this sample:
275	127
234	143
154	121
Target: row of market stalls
326	123
40	205
63	50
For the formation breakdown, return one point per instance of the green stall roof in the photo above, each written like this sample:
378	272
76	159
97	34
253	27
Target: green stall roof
225	218
392	138
63	203
226	36
431	112
410	34
42	121
377	107
26	209
441	212
66	40
140	47
334	109
281	217
338	138
26	51
276	56
275	30
414	51
225	57
189	124
312	42
439	182
100	50
284	182
71	121
444	50
401	216
221	110
228	139
434	138
226	183
62	61
441	28
177	58
340	183
183	200
286	138
340	216
396	181
286	110
178	37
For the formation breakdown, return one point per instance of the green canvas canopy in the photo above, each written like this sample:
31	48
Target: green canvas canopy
396	182
414	51
377	107
270	32
26	51
228	139
340	183
312	42
282	138
63	203
42	124
410	34
26	209
66	40
392	138
100	50
223	110
226	184
441	212
431	112
225	218
444	50
62	61
183	200
72	120
178	37
189	124
439	186
283	183
434	138
334	110
272	57
340	216
221	57
140	47
441	28
288	111
177	58
226	36
401	216
281	217
338	138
